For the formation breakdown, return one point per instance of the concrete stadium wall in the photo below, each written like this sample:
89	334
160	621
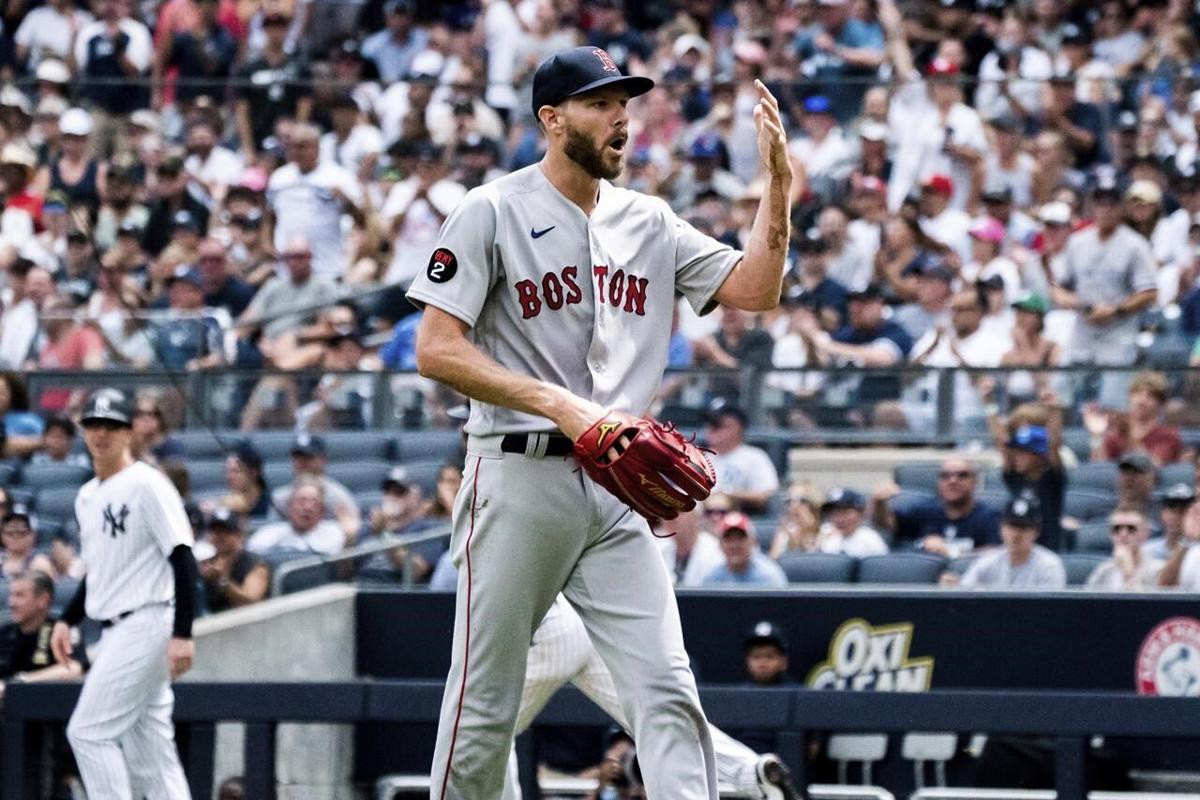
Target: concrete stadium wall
866	467
305	636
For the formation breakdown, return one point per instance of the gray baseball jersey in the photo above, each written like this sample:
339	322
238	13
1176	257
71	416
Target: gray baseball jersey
581	302
128	526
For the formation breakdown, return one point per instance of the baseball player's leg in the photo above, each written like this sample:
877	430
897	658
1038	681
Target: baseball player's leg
736	763
621	589
514	555
151	754
128	671
560	650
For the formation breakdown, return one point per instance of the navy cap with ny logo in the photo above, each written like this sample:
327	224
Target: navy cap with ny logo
579	70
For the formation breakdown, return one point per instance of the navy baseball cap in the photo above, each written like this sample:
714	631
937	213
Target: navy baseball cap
1179	494
578	70
844	498
308	445
1025	511
225	519
108	405
766	632
187	275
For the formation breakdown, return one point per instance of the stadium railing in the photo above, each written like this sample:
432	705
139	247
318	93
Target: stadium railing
846	406
1072	718
303	571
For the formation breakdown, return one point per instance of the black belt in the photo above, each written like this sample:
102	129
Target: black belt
558	445
105	624
108	623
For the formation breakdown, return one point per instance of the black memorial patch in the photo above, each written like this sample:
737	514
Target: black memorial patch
442	266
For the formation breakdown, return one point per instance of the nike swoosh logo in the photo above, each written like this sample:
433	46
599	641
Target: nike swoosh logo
540	234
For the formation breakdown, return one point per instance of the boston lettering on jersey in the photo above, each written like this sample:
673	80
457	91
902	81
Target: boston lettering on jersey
617	288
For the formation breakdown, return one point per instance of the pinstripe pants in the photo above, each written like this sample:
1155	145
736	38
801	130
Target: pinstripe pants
121	730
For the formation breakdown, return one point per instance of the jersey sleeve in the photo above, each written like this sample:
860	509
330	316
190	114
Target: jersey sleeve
163	515
701	264
461	268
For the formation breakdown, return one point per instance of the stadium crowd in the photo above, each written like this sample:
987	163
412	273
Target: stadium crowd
201	185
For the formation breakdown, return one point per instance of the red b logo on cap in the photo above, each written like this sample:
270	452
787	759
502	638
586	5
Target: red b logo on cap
605	60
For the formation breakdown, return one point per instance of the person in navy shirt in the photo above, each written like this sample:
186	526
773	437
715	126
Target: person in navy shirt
949	524
866	340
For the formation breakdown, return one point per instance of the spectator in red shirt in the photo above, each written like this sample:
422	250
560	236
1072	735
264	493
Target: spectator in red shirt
69	344
1141	429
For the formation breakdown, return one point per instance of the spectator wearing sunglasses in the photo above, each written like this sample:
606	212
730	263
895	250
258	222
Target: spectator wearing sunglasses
951	523
1131	568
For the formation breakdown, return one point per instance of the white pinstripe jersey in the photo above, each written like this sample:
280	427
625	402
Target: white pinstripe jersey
128	526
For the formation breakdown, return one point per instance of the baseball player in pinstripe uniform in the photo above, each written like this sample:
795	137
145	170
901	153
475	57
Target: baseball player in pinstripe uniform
140	584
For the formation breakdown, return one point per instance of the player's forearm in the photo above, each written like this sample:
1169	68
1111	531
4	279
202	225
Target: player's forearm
452	360
756	282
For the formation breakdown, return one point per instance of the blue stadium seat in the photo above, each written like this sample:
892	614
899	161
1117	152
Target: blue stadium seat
901	568
274	445
1086	505
431	445
205	444
1093	538
309	577
359	445
206	476
1172	474
818	567
1080	442
908	498
368	500
54	476
1080	565
56	504
359	475
1099	475
424	474
920	475
277	473
960	565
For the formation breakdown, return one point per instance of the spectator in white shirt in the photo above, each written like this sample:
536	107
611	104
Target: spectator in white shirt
942	222
965	344
216	168
823	149
47	32
1008	166
987	243
744	473
1131	568
937	134
1011	74
307	198
1021	563
843	530
691	552
304	529
847	263
414	212
352	143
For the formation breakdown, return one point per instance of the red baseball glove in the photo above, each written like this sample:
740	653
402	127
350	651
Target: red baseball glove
645	464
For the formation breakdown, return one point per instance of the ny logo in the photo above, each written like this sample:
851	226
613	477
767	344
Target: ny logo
115	523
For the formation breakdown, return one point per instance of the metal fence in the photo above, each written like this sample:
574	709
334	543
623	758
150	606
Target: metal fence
1071	718
845	405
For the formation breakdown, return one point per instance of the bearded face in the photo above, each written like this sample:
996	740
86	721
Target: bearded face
601	161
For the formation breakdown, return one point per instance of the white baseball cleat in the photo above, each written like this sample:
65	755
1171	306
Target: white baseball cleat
774	779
